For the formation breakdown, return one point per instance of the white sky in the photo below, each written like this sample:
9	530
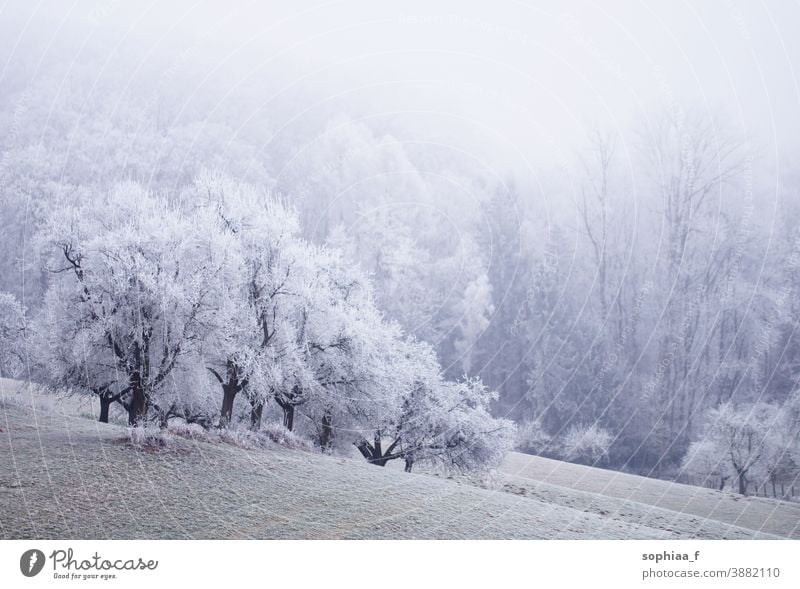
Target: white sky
513	81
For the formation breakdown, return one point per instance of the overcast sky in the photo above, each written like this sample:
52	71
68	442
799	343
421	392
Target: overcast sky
519	82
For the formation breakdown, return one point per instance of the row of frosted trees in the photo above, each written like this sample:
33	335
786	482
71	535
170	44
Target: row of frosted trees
185	308
655	328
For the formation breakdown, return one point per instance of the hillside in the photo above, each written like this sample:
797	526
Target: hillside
63	475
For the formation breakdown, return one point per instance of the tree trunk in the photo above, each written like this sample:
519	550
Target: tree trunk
377	452
255	415
288	412
374	452
742	483
288	416
105	404
327	432
138	410
229	391
139	377
368	452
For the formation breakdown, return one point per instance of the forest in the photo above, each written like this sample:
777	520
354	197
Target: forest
224	247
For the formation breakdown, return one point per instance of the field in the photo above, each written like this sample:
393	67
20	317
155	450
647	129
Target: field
63	475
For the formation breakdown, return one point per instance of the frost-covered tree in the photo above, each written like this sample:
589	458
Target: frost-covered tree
585	444
747	443
695	166
255	343
12	330
133	290
451	425
532	438
70	358
347	345
300	324
439	422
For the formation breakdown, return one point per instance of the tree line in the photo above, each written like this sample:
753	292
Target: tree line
624	306
174	309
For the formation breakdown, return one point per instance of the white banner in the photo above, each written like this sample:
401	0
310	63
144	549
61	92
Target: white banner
387	564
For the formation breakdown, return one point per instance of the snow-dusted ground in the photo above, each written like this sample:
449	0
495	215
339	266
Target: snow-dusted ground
698	511
63	475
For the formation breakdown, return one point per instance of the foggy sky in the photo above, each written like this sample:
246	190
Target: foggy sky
511	84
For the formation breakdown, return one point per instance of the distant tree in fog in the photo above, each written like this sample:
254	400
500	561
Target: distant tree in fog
746	444
12	330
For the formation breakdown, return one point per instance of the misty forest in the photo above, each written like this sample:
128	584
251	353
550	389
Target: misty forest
200	232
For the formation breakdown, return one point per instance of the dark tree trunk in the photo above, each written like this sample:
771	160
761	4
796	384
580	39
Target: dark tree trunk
327	432
366	450
138	410
255	415
742	483
409	463
139	380
288	417
232	385
229	391
377	451
288	412
374	452
105	404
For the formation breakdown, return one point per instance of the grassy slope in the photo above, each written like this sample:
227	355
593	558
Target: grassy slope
63	476
685	509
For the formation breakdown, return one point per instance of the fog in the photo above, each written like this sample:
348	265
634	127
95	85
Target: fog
591	206
515	85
